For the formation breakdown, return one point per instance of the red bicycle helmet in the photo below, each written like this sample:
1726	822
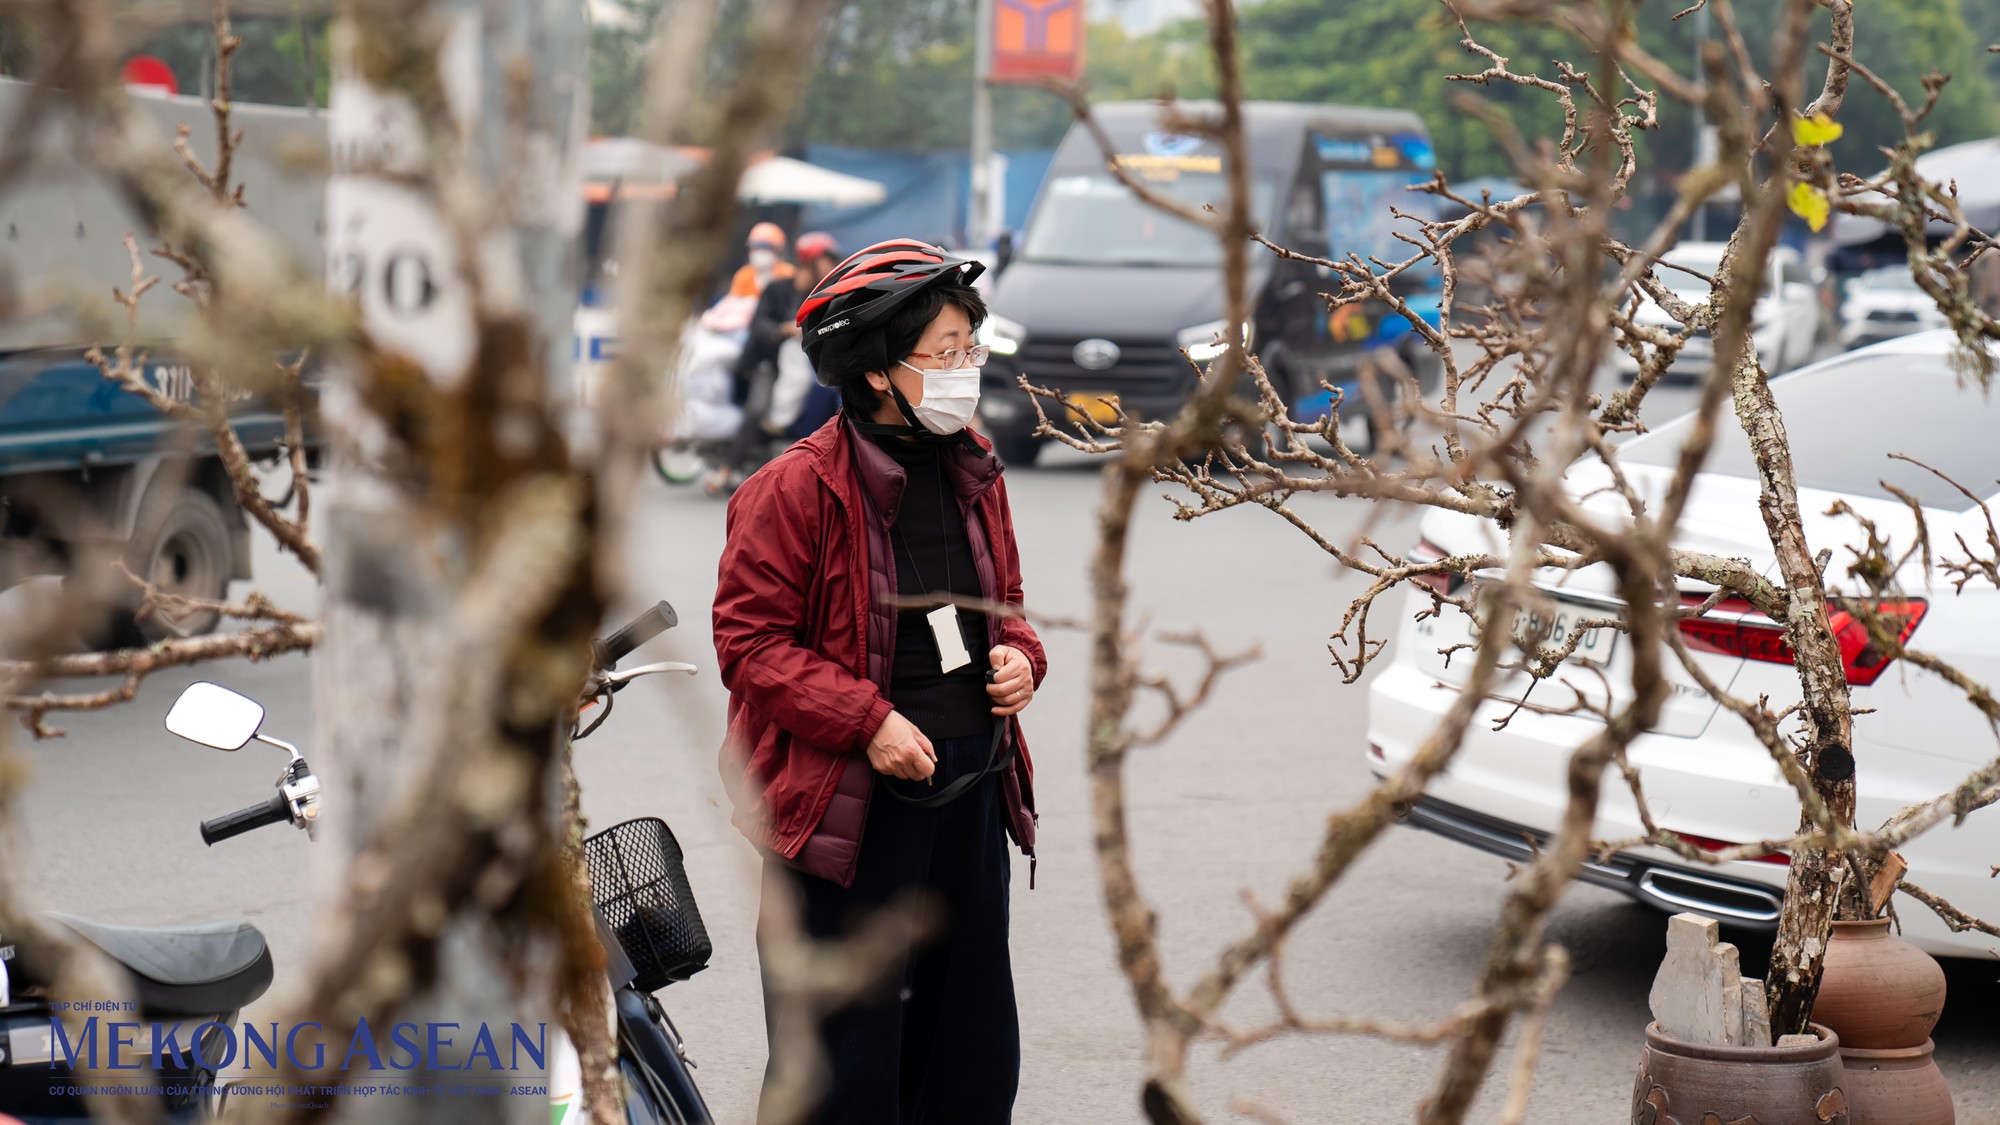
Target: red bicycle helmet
860	292
814	243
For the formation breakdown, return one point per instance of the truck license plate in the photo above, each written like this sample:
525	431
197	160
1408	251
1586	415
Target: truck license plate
1098	406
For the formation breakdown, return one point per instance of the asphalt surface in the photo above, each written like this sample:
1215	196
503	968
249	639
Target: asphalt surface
1234	801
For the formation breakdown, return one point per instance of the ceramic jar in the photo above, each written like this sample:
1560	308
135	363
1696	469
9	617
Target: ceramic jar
1883	996
1683	1083
1878	991
1896	1086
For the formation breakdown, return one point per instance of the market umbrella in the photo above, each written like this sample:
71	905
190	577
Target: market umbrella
781	179
632	167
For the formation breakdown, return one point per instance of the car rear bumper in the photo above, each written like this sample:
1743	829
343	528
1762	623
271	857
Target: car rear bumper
1505	791
1673	889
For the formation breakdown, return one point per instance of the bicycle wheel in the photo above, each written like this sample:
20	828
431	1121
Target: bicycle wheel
679	464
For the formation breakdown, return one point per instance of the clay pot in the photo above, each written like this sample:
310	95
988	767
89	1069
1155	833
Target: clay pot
1879	991
1902	1086
1684	1083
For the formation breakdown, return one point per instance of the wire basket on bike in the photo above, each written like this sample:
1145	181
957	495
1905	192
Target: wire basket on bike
639	883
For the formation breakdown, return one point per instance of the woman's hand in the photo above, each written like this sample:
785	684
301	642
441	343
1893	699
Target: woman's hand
1013	686
899	749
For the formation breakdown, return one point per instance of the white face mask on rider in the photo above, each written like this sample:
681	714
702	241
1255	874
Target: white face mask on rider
762	259
950	397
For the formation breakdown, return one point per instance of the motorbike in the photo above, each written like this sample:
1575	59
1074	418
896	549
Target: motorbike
784	395
202	976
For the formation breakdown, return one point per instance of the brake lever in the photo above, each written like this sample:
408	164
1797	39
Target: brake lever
300	787
616	680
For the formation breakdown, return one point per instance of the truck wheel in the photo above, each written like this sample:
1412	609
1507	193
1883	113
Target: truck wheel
1019	452
182	545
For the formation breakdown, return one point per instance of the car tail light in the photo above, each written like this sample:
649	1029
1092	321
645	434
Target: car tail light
1708	844
1744	632
1447	583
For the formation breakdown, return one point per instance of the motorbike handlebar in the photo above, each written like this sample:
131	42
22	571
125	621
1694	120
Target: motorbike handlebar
641	629
277	810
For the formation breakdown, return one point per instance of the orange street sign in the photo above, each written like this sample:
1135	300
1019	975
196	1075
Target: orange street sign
1035	40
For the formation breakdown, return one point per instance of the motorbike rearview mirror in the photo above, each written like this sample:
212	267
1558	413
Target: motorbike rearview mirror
215	716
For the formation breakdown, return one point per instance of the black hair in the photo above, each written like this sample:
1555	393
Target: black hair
845	361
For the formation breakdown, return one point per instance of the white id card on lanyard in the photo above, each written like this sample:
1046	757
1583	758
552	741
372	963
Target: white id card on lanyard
950	642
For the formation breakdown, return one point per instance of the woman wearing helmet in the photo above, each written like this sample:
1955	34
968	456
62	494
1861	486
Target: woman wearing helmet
874	750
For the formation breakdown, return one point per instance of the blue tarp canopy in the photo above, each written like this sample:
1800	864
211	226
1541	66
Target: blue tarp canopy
927	193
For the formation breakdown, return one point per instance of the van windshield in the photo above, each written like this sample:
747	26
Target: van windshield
1091	219
1361	213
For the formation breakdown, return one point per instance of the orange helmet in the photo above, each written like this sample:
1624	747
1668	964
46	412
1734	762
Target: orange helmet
768	234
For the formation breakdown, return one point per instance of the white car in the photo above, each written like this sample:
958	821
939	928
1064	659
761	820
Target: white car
1883	304
1784	323
1704	773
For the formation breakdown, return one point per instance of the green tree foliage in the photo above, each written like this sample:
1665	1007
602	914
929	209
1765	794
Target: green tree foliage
1398	52
1122	67
1983	17
618	49
898	74
284	59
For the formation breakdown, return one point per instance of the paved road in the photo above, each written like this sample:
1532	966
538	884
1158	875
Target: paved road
1234	801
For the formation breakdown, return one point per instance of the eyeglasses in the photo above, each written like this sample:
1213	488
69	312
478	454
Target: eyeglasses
954	359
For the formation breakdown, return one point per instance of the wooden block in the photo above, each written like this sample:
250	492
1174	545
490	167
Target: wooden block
1756	1014
1698	994
1884	883
1797	1040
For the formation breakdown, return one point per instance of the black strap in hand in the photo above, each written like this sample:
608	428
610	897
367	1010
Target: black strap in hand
995	762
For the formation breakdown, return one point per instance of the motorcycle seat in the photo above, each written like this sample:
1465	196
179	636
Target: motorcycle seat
202	968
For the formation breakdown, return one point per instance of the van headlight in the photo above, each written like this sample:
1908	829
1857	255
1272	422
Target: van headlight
1204	342
1003	336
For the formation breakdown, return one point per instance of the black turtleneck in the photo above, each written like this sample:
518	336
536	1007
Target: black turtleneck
932	554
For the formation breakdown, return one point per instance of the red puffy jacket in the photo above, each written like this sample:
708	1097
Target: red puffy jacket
805	637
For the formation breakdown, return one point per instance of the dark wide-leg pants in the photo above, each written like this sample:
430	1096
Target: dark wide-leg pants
940	1042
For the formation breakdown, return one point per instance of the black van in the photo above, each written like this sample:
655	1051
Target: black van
1103	291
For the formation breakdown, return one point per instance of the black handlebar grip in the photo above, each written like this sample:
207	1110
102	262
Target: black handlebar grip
641	629
277	810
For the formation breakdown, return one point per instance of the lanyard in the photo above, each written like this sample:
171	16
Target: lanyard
945	629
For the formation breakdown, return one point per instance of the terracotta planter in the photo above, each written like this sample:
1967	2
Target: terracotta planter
1902	1086
1879	992
1701	1084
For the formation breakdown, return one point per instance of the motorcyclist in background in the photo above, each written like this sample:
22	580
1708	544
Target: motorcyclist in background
767	261
773	366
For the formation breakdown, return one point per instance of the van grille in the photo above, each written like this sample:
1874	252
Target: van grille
1149	363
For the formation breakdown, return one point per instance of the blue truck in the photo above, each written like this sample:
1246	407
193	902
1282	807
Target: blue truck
91	474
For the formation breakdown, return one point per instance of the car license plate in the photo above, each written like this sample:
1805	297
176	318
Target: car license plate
1553	631
1098	406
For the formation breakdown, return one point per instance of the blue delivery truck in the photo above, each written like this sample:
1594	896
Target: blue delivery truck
91	474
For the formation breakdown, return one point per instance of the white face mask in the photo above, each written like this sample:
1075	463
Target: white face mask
950	397
762	260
